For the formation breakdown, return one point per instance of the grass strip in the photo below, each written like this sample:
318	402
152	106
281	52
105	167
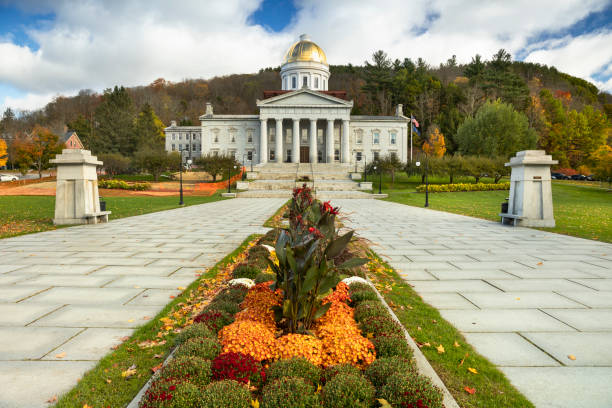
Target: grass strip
453	361
110	383
275	221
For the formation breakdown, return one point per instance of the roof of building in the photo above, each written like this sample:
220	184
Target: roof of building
335	94
64	138
370	117
305	50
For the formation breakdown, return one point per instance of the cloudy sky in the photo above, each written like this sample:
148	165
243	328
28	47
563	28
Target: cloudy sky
57	47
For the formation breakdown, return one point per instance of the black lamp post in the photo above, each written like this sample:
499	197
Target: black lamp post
365	168
229	179
355	153
252	158
243	166
418	164
181	178
380	180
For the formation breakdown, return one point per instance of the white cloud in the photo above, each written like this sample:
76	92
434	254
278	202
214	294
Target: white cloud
28	102
96	45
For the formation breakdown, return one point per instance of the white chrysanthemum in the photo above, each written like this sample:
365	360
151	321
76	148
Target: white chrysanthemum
249	283
356	279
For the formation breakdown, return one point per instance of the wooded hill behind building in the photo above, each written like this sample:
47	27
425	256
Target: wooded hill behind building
489	107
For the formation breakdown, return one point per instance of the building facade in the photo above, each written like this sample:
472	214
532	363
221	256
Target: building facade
303	122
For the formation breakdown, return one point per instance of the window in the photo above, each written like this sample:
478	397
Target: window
173	136
304	81
393	138
250	155
316	85
359	136
293	82
193	147
359	156
215	135
232	153
186	136
173	147
215	152
199	146
272	134
376	155
250	136
304	136
323	84
376	137
288	155
320	137
180	136
180	147
272	155
337	155
393	155
232	133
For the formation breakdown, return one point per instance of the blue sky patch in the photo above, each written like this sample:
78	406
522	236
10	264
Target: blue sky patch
274	15
14	24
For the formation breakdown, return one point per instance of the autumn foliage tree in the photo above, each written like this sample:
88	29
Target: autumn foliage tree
36	150
434	144
3	153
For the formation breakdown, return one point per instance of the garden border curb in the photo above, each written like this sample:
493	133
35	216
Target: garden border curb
421	361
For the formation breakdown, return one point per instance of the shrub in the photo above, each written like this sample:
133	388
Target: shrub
363	295
269	238
358	287
225	394
236	366
203	347
215	319
248	337
122	185
295	367
380	325
300	345
289	392
195	330
389	345
195	370
370	309
344	369
224	305
380	370
450	188
264	277
245	271
348	391
234	294
407	389
164	394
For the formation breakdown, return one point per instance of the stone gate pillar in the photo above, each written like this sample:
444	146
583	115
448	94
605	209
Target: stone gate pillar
530	203
76	195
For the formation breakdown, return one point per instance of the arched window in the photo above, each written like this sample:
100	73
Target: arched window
316	85
305	81
293	82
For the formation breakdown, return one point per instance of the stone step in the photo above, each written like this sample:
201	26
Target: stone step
321	195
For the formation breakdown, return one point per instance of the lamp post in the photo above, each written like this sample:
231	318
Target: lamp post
252	158
380	178
229	179
418	164
243	166
355	154
181	178
365	168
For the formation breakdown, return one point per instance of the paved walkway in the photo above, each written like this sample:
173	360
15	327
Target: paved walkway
525	299
75	292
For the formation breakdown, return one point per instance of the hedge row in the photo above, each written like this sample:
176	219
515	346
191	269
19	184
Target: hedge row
122	185
451	188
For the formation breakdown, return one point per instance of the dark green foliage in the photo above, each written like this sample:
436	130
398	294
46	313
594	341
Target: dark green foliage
388	345
383	367
170	394
215	319
216	165
264	277
268	239
114	163
234	293
295	367
381	325
225	305
245	271
359	287
155	161
363	295
195	369
195	330
344	369
289	392
370	309
404	389
115	123
203	347
348	391
225	394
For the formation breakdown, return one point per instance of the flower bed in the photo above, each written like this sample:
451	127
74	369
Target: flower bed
122	185
298	338
450	188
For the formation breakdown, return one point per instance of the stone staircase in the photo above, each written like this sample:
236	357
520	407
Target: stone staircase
327	180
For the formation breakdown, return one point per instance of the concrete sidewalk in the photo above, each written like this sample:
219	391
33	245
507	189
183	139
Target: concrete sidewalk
525	299
75	292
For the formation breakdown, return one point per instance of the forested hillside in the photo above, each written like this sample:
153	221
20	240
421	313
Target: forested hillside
475	107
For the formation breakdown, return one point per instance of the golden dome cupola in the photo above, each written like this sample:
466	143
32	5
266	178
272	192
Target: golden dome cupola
305	66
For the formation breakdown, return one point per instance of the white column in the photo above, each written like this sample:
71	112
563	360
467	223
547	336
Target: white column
329	140
295	154
346	158
279	140
263	141
313	140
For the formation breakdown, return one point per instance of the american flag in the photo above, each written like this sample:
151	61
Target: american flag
415	122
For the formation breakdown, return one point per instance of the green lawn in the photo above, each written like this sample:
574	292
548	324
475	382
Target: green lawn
580	210
26	214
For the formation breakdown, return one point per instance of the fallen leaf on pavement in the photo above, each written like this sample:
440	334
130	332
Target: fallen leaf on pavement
181	288
52	399
571	357
470	390
61	355
125	338
130	321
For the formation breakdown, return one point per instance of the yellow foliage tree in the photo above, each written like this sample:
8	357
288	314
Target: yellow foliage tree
3	154
434	144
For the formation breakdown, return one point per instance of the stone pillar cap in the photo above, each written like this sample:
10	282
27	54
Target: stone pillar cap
531	157
76	156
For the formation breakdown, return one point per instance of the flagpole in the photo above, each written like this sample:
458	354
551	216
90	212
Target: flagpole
410	137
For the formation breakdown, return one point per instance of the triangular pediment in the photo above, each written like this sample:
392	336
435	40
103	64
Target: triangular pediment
304	97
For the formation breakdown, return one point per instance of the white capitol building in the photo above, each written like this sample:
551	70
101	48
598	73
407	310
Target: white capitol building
302	123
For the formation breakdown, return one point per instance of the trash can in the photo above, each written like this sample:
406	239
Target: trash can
102	205
504	208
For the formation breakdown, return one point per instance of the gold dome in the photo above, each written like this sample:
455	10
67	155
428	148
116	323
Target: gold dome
305	50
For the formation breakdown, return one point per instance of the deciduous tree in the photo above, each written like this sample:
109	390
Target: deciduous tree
3	153
434	144
36	151
149	129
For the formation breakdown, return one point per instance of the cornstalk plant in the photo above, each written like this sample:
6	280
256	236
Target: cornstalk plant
306	271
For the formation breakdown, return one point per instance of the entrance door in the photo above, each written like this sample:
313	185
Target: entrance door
304	154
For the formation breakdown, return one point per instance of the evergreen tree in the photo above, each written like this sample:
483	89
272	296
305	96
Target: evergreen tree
83	128
149	130
114	132
378	77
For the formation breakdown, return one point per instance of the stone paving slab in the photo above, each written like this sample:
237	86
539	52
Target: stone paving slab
517	352
79	289
588	348
563	284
